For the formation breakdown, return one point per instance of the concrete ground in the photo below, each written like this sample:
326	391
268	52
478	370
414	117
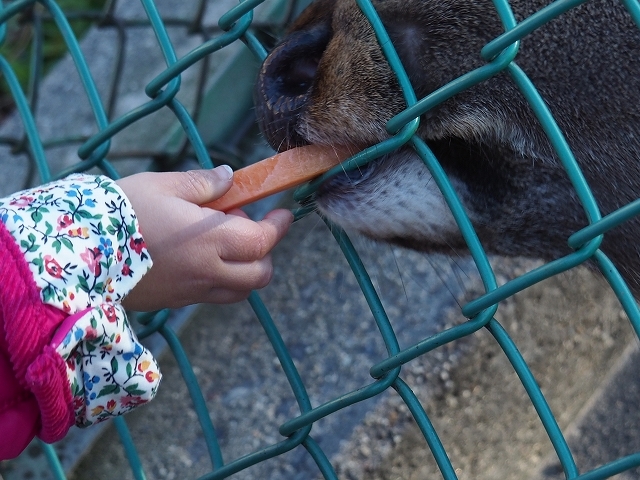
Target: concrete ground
570	330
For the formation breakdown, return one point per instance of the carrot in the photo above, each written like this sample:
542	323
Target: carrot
278	173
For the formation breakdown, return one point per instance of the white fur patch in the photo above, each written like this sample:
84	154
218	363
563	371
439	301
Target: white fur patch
398	198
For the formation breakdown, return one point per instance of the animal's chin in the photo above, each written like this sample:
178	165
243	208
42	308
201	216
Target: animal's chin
347	182
391	197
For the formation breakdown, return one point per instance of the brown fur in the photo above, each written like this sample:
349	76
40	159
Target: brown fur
328	83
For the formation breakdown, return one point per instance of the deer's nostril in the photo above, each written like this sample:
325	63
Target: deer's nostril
291	68
297	79
286	78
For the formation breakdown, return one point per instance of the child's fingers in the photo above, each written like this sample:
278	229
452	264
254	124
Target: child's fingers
246	240
199	186
278	221
244	276
238	213
226	296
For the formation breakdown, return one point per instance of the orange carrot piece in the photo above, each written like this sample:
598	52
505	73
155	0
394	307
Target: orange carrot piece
278	173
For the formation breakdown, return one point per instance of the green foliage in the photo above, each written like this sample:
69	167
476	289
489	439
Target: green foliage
22	31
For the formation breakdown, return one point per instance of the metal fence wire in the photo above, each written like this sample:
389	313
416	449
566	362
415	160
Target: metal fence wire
237	24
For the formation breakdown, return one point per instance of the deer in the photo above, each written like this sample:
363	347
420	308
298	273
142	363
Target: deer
327	82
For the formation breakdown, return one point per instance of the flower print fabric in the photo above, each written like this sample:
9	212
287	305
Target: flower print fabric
80	238
81	241
108	370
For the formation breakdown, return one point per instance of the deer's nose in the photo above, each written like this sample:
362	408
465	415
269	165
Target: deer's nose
284	83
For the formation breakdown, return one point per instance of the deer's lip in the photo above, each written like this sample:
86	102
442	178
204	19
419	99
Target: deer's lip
349	179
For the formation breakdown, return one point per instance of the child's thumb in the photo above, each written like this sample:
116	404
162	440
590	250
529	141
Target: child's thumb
202	186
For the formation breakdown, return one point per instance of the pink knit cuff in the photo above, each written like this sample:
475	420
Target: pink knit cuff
28	326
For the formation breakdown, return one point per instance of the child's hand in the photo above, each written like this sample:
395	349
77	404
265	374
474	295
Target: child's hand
199	255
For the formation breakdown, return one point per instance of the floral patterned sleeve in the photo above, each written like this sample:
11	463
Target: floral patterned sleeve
69	355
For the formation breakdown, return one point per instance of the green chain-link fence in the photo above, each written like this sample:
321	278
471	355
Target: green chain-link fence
94	151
